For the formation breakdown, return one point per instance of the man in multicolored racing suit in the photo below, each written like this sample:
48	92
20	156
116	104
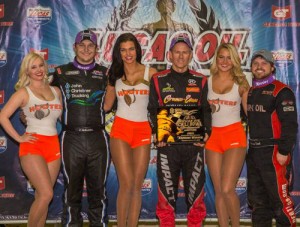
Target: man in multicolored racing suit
272	119
84	141
179	87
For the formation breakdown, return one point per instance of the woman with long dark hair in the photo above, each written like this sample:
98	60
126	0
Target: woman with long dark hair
131	133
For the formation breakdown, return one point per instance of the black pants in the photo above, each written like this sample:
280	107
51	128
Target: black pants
85	156
268	188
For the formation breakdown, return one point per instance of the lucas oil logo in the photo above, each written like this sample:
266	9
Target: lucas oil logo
39	14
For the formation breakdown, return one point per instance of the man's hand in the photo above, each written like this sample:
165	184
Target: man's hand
281	158
202	144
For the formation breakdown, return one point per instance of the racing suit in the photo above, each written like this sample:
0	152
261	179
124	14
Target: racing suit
272	119
172	89
84	141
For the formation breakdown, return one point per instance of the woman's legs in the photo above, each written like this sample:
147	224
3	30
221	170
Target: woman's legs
141	157
131	165
224	170
42	176
233	161
214	161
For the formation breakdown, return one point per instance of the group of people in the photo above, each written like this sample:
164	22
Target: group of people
84	91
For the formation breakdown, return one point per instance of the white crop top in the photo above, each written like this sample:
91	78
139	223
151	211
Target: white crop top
225	107
133	100
41	115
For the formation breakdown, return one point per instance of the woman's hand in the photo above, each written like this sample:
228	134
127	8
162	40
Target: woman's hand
27	137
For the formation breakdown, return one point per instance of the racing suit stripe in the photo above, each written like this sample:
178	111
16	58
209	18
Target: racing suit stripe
198	207
165	211
281	173
283	185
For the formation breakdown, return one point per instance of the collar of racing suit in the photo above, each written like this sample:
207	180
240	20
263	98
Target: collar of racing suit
264	81
83	67
173	72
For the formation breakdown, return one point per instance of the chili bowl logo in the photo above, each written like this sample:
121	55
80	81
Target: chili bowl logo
147	186
39	15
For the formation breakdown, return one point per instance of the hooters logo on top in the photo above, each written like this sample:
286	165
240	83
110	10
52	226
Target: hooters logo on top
281	13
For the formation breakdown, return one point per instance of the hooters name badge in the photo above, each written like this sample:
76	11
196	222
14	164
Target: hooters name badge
179	125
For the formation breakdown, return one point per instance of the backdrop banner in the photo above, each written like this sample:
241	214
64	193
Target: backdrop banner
49	27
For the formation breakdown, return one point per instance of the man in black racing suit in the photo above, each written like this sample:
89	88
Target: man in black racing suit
179	87
84	141
272	119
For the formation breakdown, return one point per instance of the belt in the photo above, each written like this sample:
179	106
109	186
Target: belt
85	129
257	143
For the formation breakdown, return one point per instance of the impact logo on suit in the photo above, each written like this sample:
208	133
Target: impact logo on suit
3	58
281	13
39	15
3	144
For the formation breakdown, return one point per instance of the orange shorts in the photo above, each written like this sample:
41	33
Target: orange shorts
227	137
134	133
45	146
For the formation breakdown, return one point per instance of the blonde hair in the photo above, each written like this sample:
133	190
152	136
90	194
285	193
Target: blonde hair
236	71
25	66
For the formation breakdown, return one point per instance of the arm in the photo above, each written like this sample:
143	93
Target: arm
243	90
18	99
152	107
287	114
58	92
205	110
110	96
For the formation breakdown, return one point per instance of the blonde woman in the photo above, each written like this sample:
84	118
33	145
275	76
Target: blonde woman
39	146
226	147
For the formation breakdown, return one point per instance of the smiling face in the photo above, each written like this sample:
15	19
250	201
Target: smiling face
36	70
180	56
128	52
261	68
224	61
85	52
